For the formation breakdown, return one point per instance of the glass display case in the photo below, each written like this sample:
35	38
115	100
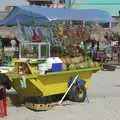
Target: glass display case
35	50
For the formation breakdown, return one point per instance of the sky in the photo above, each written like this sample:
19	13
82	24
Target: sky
112	6
99	1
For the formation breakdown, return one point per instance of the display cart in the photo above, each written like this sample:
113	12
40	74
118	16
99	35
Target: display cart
29	50
38	89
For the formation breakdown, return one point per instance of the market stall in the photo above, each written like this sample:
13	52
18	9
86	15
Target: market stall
65	60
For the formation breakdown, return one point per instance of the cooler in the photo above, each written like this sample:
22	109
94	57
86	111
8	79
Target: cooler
56	67
56	64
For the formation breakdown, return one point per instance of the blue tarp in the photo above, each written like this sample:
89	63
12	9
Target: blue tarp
27	14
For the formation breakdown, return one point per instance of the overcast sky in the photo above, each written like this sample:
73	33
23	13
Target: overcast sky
113	8
3	3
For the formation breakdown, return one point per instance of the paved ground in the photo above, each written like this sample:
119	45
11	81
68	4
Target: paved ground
104	103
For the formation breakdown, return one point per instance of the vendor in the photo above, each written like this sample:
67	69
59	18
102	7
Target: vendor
108	51
14	45
1	50
119	52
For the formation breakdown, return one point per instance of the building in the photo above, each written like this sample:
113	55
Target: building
48	3
40	2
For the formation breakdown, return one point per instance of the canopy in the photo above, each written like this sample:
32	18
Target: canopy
26	14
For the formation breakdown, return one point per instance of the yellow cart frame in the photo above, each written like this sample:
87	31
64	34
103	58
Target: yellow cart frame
52	83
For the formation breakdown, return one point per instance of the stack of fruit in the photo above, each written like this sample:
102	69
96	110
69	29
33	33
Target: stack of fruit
77	63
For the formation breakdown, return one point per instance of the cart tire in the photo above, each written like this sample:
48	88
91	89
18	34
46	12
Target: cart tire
108	67
77	94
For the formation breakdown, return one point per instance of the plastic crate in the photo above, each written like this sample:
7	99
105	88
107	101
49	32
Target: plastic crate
3	104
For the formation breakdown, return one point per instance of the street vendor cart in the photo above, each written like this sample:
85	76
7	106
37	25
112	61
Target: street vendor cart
42	88
32	85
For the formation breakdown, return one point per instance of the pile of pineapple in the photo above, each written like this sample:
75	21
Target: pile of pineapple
73	63
74	58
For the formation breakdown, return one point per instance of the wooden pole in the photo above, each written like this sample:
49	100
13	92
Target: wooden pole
60	102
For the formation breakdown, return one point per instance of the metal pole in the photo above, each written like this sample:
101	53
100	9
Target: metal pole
110	24
68	89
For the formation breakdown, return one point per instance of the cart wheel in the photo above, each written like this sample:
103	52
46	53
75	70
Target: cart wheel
77	94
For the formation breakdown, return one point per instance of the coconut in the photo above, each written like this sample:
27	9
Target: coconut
72	67
81	65
68	60
64	60
90	63
75	60
95	64
64	67
84	65
81	58
77	66
72	60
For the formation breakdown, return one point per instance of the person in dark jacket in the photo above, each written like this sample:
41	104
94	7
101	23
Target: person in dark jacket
4	81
